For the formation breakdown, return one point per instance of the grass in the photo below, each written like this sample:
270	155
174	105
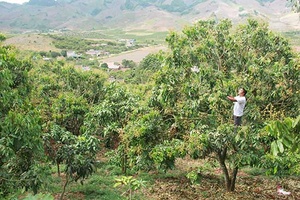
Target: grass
34	42
141	36
253	171
293	36
252	183
115	34
97	187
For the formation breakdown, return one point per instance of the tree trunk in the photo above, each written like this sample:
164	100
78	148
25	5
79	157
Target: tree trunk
130	194
233	178
64	189
229	181
58	169
124	162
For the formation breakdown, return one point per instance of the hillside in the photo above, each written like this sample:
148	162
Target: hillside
33	42
162	15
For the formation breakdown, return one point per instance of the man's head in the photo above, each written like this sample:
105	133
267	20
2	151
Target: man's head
242	92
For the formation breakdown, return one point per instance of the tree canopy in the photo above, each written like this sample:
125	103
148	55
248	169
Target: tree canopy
172	105
192	114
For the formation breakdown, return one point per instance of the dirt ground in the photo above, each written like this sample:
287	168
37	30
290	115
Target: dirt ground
210	187
135	55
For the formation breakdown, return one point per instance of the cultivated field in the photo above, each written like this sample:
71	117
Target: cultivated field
135	55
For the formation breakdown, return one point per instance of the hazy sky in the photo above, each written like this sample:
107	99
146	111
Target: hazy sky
15	1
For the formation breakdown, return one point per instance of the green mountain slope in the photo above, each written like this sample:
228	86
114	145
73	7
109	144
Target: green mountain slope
139	14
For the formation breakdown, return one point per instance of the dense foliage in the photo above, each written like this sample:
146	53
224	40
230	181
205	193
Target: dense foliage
75	43
284	149
295	5
20	126
172	105
188	110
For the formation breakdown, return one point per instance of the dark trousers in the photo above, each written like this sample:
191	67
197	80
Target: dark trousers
237	120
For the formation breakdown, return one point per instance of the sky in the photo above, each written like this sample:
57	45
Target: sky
15	1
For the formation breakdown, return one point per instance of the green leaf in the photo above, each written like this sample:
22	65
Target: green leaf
274	148
280	146
117	184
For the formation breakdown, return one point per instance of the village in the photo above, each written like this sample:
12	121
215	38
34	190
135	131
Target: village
95	56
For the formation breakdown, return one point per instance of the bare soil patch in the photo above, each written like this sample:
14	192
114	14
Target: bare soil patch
211	186
135	55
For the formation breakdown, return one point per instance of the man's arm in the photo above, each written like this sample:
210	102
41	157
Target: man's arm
231	98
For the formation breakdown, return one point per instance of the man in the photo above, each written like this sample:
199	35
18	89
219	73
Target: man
239	105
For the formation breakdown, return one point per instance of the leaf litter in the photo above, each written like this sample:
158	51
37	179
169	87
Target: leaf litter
211	186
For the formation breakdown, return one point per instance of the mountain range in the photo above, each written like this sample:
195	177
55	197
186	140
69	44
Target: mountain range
158	15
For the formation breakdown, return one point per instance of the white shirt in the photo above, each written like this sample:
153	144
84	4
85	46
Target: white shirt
239	105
